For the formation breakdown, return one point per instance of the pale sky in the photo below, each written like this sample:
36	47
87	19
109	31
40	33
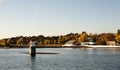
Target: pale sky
58	17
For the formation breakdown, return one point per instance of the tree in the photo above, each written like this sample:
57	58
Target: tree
46	41
4	42
19	41
8	41
83	37
104	37
117	38
59	39
118	32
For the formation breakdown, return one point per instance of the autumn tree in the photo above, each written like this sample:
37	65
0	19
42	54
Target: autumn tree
8	41
4	42
117	37
104	37
20	41
92	37
83	37
46	41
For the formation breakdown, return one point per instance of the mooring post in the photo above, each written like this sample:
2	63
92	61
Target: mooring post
32	48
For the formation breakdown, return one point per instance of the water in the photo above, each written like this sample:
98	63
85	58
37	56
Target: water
65	59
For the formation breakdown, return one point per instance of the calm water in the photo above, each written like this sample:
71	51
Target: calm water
66	59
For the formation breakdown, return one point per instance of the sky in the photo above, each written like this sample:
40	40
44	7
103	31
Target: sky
58	17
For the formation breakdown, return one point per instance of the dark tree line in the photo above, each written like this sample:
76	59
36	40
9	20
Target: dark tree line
62	39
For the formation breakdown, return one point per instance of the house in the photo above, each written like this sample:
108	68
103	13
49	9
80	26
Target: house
111	43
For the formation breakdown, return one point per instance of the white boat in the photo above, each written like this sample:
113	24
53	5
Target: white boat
70	43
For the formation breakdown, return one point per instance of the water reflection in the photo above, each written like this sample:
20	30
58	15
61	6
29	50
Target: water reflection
33	62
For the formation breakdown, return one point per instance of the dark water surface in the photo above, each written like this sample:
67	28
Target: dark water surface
64	59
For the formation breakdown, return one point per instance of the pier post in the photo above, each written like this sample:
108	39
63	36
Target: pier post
32	51
32	48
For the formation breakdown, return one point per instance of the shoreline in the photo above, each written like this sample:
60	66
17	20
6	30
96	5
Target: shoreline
80	46
101	46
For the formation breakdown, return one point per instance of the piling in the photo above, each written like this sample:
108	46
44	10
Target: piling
32	51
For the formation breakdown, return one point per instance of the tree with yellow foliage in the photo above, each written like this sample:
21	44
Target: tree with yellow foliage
82	37
117	38
19	41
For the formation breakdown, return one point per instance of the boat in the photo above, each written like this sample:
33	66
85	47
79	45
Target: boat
71	43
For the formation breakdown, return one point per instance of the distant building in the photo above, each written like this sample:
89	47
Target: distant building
111	43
